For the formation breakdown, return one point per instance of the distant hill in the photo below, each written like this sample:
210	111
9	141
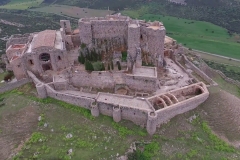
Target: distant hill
3	2
225	13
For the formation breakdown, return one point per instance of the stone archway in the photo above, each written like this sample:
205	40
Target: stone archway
46	67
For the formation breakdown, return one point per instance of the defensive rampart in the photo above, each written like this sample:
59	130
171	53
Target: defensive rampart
11	86
138	110
198	71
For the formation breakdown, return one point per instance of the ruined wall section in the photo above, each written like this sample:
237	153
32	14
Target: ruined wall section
11	86
94	79
109	35
19	39
33	62
165	114
18	68
152	43
85	32
72	99
104	35
135	115
133	43
198	71
141	83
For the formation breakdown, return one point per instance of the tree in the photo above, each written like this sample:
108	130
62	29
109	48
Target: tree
88	66
81	58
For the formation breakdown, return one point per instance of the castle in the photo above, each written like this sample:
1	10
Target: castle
146	95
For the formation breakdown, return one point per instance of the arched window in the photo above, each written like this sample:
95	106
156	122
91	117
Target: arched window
59	58
45	57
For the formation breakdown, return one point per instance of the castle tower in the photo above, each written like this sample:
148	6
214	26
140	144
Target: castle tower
66	33
66	26
117	115
85	31
133	42
151	123
155	33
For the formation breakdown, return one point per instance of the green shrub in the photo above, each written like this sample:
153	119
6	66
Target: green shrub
124	56
83	45
88	66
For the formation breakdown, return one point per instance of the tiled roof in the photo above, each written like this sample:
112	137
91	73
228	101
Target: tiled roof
45	38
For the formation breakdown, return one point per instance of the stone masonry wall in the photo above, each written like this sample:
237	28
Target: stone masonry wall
206	68
108	29
198	71
72	99
135	115
133	39
85	32
94	79
165	114
153	42
11	86
18	39
146	84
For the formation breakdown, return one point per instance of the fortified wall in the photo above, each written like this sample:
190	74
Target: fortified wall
50	59
149	112
121	33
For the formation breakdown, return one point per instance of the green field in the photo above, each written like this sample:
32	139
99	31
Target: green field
72	11
22	4
195	34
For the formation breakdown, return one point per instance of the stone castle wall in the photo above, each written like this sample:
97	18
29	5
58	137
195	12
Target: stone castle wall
152	41
109	29
198	71
208	70
19	39
120	33
135	115
11	86
72	99
19	69
144	117
133	39
167	113
95	79
146	84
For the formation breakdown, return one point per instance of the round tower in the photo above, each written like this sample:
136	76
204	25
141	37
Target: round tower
117	114
151	123
94	109
41	90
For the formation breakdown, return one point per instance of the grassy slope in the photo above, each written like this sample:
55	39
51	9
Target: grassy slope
197	35
22	4
102	138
